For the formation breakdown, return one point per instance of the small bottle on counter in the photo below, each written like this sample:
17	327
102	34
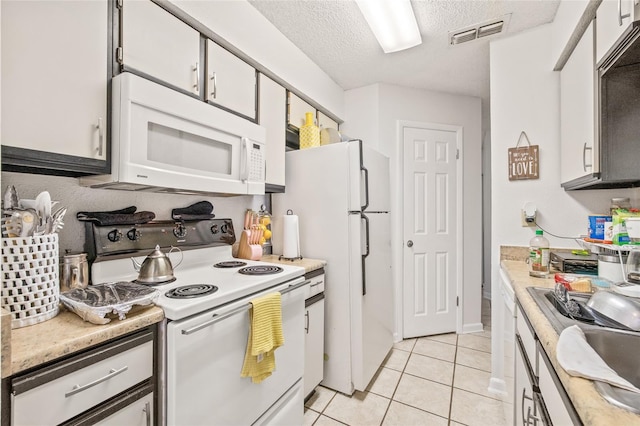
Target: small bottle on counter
539	255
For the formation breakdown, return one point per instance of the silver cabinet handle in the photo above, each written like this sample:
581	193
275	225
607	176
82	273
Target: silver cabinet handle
316	284
78	388
620	15
584	156
147	411
525	419
100	135
214	79
306	327
409	243
196	86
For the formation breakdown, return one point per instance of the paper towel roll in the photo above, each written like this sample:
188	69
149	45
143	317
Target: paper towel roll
290	236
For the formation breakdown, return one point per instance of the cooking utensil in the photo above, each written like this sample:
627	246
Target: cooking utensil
10	200
43	208
621	309
156	267
28	222
633	266
75	272
12	224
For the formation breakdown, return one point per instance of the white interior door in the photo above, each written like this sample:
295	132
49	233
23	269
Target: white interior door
430	231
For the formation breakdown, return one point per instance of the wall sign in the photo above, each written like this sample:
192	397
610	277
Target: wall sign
523	161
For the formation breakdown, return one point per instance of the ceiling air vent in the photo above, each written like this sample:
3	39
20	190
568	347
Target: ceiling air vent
482	29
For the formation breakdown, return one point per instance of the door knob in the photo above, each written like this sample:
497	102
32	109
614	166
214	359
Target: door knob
409	243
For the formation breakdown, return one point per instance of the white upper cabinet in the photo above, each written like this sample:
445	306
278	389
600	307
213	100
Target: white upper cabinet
297	108
231	82
54	80
324	122
158	44
273	117
578	143
612	18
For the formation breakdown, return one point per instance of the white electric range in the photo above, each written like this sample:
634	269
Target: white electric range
203	339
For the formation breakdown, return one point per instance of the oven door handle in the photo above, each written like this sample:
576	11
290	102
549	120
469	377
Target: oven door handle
217	318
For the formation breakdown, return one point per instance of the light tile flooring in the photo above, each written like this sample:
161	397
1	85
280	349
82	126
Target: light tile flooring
435	380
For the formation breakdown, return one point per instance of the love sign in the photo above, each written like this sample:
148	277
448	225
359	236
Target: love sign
524	161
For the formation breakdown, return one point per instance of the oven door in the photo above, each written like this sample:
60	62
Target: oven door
164	139
205	357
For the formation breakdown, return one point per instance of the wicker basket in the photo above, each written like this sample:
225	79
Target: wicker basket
30	284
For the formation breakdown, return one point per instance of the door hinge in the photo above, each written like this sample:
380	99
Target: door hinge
457	300
119	55
457	154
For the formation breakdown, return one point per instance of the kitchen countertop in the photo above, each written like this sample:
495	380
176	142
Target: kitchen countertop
591	407
308	264
67	333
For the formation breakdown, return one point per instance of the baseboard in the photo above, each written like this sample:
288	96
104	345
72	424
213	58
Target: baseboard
472	328
497	387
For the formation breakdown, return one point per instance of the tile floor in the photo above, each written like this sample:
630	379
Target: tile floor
434	380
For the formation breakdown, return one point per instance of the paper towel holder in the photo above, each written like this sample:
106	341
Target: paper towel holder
291	259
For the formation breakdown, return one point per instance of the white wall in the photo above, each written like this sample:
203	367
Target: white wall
525	97
246	29
375	110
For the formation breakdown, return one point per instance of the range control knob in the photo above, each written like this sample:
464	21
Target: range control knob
180	231
114	236
133	234
224	228
214	229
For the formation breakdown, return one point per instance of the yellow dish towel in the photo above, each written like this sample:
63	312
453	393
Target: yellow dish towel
265	336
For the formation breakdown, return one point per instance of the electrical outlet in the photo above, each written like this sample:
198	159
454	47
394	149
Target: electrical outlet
527	221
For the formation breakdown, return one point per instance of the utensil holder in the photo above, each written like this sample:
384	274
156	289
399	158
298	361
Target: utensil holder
30	283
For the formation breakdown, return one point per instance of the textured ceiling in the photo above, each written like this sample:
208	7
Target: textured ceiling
334	34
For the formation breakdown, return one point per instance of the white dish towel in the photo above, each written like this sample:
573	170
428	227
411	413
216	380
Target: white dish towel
578	358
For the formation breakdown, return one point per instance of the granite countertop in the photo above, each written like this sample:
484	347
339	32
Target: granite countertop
65	334
591	407
308	264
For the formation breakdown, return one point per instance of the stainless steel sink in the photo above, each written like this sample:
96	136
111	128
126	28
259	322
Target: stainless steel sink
619	349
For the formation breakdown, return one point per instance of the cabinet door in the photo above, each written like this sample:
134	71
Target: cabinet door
273	117
313	346
578	150
231	82
611	24
324	122
138	413
553	396
297	108
54	81
157	43
525	408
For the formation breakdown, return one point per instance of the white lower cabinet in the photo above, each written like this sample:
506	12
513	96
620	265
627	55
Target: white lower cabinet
540	398
89	385
138	413
314	335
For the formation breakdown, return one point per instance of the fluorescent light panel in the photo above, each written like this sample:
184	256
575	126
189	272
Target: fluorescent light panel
392	22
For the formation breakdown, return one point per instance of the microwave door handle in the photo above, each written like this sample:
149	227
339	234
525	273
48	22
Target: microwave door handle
246	145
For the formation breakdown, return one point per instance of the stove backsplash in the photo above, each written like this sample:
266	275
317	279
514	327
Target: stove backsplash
78	198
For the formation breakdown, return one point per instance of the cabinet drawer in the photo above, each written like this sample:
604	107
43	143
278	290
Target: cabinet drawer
50	398
523	329
316	286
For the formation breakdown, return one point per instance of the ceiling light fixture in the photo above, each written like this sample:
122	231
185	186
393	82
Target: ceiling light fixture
392	22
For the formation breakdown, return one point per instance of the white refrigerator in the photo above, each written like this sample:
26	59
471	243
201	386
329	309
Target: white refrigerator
340	193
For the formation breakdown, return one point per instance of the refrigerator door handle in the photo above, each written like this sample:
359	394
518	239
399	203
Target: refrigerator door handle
366	179
366	252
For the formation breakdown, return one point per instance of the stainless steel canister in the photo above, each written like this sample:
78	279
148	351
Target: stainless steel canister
75	271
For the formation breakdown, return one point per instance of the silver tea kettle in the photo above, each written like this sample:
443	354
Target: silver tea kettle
156	267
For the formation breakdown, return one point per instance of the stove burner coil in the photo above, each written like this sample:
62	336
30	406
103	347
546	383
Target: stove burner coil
230	264
191	291
261	270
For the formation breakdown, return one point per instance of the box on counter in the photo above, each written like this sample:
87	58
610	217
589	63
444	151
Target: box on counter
597	227
619	228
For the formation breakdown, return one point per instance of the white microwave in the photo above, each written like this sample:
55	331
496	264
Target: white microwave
165	141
